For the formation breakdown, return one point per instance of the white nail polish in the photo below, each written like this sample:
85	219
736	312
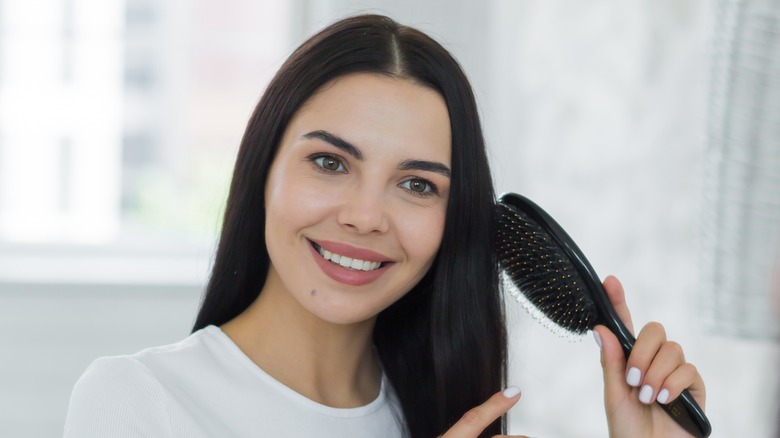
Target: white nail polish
663	396
646	394
511	392
634	377
597	337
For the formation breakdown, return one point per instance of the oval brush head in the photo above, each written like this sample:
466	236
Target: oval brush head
535	266
549	270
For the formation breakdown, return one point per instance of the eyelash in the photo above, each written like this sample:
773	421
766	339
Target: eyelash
432	189
316	159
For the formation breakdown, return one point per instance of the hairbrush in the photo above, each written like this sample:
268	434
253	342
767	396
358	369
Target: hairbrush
546	266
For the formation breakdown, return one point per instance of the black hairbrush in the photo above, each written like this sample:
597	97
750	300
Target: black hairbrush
544	263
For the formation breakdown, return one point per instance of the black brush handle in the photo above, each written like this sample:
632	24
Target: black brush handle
684	409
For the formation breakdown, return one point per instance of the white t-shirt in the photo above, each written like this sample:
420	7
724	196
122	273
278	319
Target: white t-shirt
205	386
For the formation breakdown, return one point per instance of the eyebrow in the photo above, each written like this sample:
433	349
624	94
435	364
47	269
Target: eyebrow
336	141
428	166
340	143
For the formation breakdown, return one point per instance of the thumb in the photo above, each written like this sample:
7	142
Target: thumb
613	365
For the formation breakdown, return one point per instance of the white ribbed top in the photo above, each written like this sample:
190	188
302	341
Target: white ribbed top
205	386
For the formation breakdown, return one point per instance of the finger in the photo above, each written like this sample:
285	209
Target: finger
647	345
613	365
476	420
617	297
668	359
686	376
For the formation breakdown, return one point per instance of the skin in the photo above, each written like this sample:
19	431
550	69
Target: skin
313	332
307	329
662	366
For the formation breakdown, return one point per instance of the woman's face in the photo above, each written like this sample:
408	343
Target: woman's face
356	196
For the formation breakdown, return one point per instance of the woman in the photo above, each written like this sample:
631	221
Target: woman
354	291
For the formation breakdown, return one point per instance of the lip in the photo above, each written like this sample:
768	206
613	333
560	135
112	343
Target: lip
351	277
351	251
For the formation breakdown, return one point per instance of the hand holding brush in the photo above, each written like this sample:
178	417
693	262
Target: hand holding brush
637	389
649	388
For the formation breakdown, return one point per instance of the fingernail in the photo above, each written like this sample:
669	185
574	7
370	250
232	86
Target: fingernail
597	337
512	392
646	394
634	377
663	396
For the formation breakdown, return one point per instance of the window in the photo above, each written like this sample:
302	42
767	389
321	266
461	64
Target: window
119	122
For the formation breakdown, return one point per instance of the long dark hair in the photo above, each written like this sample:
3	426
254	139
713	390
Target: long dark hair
443	345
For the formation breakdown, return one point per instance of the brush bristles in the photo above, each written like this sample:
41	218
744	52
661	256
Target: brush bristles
542	272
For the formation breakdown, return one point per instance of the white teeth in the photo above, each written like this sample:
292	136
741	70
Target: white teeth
347	262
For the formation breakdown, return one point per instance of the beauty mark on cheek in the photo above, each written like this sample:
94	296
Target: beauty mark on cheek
313	292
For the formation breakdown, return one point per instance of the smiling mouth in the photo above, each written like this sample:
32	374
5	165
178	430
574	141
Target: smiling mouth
347	262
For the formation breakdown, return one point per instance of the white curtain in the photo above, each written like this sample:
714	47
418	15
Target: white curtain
741	220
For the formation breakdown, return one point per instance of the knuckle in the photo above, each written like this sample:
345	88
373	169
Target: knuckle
655	328
690	368
674	348
472	417
682	378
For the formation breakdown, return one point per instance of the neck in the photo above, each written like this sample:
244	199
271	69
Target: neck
332	364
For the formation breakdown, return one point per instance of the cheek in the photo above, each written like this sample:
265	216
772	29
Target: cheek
295	200
422	235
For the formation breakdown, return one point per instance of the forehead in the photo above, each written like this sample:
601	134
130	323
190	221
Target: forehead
380	113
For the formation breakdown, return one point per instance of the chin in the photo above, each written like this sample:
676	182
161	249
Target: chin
343	313
345	318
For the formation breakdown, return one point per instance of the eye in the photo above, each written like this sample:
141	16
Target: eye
329	163
419	187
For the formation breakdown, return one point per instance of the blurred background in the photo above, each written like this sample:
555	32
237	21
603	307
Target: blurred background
649	128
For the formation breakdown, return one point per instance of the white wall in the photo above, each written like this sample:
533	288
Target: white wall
49	333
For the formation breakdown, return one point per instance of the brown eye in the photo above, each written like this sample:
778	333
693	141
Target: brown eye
329	163
419	187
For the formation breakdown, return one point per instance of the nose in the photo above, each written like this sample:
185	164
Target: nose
365	211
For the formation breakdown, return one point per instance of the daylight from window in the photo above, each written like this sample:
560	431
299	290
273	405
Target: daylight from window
120	121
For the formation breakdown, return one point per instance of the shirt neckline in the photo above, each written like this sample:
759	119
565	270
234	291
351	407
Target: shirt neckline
288	392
